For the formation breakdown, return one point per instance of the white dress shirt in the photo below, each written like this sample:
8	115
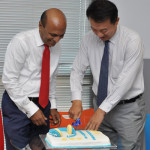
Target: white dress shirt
125	79
22	70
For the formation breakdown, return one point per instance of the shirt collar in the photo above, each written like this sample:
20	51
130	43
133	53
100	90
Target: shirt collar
38	39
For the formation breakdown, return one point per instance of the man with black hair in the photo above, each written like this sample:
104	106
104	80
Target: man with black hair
115	56
29	77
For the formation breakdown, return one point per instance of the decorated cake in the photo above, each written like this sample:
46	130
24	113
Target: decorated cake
71	138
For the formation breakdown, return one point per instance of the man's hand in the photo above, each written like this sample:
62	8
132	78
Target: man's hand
76	109
55	117
39	118
95	120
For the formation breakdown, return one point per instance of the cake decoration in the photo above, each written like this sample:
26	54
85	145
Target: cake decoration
77	123
91	135
68	137
82	134
57	131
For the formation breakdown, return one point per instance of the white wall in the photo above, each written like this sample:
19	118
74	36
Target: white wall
135	15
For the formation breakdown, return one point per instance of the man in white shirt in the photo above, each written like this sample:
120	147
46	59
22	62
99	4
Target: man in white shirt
121	114
23	117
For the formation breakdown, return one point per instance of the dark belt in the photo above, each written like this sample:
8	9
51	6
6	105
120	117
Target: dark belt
34	99
130	100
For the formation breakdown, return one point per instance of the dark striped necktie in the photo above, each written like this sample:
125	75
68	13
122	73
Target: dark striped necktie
103	78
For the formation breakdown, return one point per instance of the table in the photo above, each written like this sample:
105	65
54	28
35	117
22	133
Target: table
113	147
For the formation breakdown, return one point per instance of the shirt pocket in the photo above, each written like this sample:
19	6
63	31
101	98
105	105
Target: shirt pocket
34	65
116	69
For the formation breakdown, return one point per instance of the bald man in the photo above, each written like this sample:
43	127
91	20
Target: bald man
23	117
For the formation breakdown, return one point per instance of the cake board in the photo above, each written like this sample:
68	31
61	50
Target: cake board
48	147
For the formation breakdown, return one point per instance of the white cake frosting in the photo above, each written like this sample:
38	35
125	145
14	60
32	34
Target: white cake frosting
78	139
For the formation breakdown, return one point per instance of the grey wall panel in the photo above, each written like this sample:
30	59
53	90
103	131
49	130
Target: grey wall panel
147	84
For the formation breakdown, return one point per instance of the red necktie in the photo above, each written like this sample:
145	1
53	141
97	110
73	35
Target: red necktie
45	73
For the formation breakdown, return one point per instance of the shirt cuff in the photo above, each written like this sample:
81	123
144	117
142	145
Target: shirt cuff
30	109
53	104
76	95
106	106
